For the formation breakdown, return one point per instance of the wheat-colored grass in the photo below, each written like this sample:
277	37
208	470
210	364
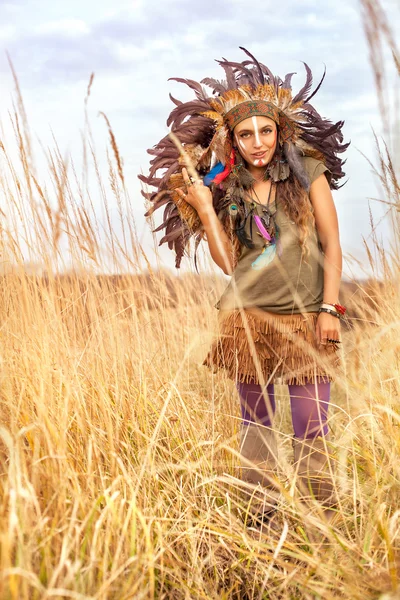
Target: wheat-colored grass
118	449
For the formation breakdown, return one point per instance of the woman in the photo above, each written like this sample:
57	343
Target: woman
263	164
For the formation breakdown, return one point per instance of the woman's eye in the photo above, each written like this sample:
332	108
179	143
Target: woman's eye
267	131
244	135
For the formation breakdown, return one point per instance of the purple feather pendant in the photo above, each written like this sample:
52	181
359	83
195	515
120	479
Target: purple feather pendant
261	228
271	248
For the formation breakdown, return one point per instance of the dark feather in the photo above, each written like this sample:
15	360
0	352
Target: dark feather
175	101
318	86
171	236
306	87
184	110
196	245
287	84
180	245
257	64
240	230
156	206
293	157
271	79
194	85
229	74
219	87
249	78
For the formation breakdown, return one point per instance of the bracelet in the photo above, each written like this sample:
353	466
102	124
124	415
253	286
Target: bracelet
340	309
330	312
327	305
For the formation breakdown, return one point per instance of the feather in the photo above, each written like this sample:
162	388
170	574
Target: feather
257	64
180	246
229	74
219	87
271	79
172	169
240	68
261	228
227	169
318	86
242	235
246	178
196	245
174	100
171	236
265	258
306	87
158	204
222	175
209	178
184	110
194	85
286	85
295	164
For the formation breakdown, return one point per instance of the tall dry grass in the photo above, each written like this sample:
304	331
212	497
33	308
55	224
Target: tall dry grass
118	450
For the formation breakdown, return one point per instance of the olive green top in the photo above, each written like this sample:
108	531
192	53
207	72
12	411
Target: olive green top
290	283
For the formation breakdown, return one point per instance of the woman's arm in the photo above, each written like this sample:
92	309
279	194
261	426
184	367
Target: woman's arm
199	196
218	242
326	222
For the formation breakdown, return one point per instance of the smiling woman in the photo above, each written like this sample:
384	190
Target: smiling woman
253	134
263	163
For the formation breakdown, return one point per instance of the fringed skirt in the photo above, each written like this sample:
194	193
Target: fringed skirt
254	346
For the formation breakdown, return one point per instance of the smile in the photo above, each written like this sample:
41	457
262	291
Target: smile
260	154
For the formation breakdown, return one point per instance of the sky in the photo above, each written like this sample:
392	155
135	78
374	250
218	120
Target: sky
133	47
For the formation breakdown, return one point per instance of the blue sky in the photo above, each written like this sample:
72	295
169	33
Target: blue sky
134	47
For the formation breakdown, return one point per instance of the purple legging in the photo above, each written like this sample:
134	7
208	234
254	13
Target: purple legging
309	405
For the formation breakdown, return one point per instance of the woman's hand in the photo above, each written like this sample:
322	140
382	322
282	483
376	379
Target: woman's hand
198	195
328	328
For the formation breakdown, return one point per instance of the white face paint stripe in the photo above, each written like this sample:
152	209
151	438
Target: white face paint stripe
255	125
241	143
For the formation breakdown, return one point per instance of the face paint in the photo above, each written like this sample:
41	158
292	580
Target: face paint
241	143
255	125
261	162
254	142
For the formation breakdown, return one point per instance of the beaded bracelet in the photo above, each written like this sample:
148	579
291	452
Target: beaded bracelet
330	312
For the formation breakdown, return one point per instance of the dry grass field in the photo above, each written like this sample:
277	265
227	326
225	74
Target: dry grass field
118	449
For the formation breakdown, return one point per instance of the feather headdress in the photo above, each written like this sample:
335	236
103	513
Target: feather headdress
203	126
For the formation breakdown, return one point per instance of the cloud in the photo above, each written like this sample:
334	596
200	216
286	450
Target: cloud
134	46
64	27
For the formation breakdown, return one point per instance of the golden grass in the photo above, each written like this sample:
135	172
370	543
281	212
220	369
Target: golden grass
118	450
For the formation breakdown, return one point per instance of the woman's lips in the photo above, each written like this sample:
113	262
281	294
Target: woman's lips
260	154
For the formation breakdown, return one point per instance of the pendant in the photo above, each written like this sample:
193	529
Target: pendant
265	258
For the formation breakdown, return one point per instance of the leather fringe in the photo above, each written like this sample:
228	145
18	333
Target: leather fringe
282	348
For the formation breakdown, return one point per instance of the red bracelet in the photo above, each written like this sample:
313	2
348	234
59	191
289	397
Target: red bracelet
341	309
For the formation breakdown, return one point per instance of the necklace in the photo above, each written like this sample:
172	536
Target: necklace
267	229
258	199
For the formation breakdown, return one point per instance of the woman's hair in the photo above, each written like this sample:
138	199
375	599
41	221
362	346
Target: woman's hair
297	206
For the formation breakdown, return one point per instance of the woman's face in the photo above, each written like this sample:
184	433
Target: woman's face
255	139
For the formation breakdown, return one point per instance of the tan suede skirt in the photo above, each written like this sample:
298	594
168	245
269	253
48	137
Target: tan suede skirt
255	346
